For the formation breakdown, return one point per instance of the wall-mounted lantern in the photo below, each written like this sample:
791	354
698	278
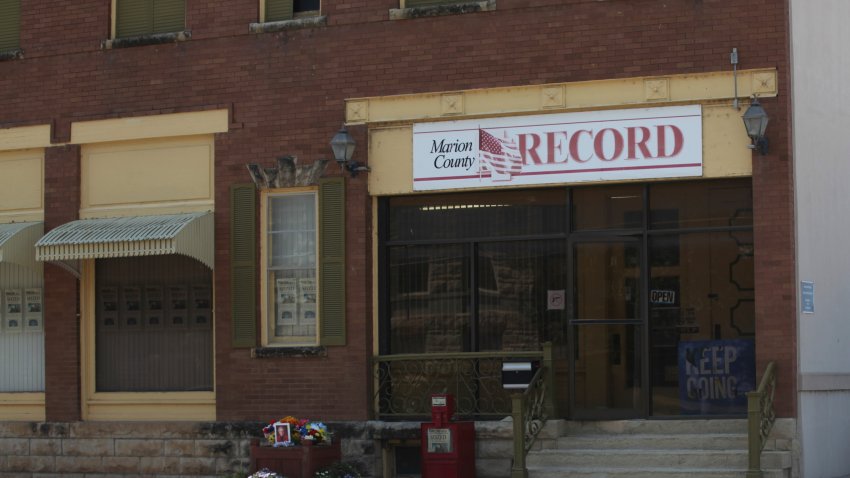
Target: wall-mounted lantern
755	120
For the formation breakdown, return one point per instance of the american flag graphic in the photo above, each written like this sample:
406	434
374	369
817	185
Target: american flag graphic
499	156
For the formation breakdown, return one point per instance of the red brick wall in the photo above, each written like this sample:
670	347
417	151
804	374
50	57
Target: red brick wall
287	92
61	292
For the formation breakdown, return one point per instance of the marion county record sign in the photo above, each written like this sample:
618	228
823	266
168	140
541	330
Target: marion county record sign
644	143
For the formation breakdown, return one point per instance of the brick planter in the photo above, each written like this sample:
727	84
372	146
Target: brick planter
295	461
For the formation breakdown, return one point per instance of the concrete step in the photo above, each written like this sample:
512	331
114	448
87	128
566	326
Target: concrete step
558	472
666	427
656	441
643	458
691	448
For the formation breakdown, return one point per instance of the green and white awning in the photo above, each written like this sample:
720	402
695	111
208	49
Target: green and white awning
188	234
17	240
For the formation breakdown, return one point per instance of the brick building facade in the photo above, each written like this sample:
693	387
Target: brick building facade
277	89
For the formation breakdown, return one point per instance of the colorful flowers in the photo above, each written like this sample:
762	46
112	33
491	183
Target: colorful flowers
301	431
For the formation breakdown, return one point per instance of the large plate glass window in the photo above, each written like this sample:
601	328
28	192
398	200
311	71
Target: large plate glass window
154	325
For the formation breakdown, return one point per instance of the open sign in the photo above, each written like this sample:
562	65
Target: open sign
662	297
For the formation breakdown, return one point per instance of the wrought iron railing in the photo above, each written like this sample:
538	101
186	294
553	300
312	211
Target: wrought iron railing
406	382
529	413
760	417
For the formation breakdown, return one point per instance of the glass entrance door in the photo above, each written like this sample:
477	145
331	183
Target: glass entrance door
606	329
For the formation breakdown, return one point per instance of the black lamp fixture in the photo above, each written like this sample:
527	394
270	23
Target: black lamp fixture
343	148
755	120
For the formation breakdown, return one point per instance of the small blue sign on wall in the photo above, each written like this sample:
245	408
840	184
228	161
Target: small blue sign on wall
807	297
715	376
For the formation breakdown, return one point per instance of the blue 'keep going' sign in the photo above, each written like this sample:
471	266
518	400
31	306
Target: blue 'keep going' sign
715	376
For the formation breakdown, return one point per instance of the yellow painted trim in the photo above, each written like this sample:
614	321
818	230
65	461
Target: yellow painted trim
375	301
262	11
375	287
25	137
27	407
113	13
176	207
142	406
265	340
583	95
22	185
87	339
145	127
105	195
33	216
175	406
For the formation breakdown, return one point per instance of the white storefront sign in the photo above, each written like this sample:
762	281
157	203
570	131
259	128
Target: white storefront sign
644	143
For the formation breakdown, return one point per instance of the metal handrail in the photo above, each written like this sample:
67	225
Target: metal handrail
760	418
528	410
531	409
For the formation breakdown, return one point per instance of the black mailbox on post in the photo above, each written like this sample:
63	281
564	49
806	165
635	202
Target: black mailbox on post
517	375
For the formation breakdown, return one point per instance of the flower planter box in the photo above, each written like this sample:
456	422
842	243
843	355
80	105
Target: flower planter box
294	461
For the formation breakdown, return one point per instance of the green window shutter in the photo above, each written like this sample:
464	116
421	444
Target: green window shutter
145	17
10	24
332	261
277	10
428	3
243	265
169	16
133	18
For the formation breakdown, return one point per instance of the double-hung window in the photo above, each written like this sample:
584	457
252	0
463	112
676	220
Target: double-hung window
302	265
148	17
292	267
279	10
10	25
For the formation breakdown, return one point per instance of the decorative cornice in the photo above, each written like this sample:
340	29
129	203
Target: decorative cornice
576	96
287	173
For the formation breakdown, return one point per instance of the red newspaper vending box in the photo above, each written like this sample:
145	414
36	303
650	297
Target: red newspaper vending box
448	447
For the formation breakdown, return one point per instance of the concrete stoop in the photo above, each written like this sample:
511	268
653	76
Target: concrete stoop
656	448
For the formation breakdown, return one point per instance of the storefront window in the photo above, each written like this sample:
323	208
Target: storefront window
429	299
153	329
625	292
702	322
514	309
21	329
477	215
614	207
701	204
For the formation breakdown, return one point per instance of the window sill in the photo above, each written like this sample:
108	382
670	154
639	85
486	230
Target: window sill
294	24
440	10
145	40
16	54
288	351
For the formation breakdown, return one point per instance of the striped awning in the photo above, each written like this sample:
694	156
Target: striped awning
17	241
188	234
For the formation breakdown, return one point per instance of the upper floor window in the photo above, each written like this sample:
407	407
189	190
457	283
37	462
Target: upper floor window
10	25
428	3
429	8
279	10
147	17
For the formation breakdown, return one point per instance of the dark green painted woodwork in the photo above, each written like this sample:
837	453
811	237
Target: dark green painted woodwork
332	261
243	265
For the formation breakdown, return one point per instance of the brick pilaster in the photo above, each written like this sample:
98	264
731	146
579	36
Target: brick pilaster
61	289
